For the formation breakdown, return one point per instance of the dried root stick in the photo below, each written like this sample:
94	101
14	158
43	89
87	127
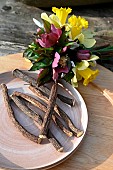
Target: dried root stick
36	118
12	116
77	132
43	108
26	110
61	126
49	112
20	74
54	142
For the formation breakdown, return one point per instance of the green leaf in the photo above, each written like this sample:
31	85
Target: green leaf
68	76
43	74
49	49
33	46
47	26
69	43
46	79
63	39
102	50
45	62
31	55
58	49
28	53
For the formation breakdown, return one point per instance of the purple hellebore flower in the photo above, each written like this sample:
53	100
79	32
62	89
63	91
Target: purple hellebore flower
83	54
50	39
56	69
64	49
56	60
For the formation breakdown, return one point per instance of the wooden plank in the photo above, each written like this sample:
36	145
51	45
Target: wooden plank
13	61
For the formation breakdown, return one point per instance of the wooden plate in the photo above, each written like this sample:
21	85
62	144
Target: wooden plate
18	152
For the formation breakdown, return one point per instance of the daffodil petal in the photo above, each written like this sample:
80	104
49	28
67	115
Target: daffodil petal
74	81
80	37
87	33
74	31
55	20
62	13
82	65
88	43
74	70
93	58
79	77
74	84
88	75
44	16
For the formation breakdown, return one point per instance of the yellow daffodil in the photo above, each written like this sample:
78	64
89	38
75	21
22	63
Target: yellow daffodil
76	24
62	13
78	21
88	75
59	18
77	77
80	71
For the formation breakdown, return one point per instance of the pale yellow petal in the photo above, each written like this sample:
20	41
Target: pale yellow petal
44	16
80	37
74	70
87	33
93	58
82	65
74	81
55	21
79	77
88	43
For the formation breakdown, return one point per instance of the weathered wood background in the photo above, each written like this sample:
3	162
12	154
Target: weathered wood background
17	27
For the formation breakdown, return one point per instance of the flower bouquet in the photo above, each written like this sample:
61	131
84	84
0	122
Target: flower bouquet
63	48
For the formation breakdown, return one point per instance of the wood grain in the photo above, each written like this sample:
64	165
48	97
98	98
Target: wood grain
95	151
16	61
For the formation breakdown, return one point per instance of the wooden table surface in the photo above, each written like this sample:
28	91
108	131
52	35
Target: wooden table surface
96	150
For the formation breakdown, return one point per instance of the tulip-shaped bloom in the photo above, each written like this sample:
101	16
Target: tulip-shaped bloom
88	75
50	39
83	54
62	13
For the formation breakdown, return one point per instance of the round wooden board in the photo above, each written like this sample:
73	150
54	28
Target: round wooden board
18	152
